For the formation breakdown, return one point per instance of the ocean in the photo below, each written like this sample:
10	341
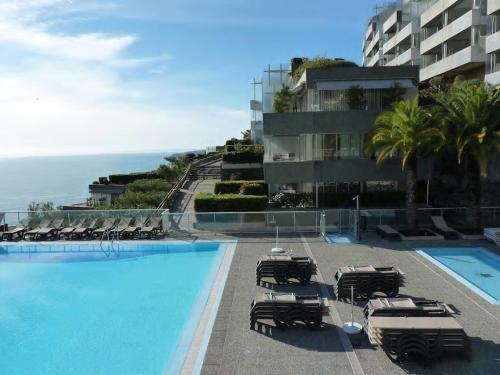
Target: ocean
63	179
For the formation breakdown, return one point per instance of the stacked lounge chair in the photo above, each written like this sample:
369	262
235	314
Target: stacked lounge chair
288	308
493	234
285	267
404	327
404	307
153	227
50	231
85	230
442	227
366	281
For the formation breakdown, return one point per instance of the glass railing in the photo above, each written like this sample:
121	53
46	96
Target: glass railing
319	154
287	221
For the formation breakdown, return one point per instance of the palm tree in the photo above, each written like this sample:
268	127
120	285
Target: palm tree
409	131
472	115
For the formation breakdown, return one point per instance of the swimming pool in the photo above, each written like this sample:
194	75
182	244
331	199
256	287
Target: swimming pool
477	268
339	238
79	310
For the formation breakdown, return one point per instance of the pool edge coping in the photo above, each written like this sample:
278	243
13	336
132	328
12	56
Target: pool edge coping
193	360
457	277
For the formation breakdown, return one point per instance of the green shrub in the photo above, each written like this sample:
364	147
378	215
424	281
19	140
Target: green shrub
234	187
206	202
144	186
319	62
246	156
253	188
124	179
132	199
292	200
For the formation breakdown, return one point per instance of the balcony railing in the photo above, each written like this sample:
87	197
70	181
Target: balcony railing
319	155
468	55
462	23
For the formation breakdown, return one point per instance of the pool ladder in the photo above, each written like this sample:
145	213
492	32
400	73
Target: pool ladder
110	237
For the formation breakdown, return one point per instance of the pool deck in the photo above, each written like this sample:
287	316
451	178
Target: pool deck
235	349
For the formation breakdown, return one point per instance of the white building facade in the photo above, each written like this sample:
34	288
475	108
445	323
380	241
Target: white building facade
442	37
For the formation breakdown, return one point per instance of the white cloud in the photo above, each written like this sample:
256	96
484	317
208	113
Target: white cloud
66	95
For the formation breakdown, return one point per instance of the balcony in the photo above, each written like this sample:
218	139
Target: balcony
399	37
493	42
296	123
493	78
373	61
390	25
408	57
493	6
373	43
469	19
435	11
461	60
343	170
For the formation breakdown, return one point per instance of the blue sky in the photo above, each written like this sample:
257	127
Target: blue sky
84	76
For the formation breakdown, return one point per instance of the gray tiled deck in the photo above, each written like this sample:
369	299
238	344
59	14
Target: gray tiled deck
235	349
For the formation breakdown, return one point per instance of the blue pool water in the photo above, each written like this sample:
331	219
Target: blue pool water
64	312
477	268
339	238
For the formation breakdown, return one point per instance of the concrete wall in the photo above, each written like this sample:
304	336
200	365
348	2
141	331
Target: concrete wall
347	170
296	123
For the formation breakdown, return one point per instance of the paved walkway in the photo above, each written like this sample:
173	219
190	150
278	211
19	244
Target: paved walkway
235	349
184	202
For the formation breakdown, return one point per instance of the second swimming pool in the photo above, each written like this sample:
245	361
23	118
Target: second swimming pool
475	267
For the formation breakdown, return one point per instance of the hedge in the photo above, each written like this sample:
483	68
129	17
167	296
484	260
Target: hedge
153	185
127	178
234	187
252	188
207	202
337	200
239	157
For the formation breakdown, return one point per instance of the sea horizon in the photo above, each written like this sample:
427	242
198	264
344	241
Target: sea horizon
132	152
64	180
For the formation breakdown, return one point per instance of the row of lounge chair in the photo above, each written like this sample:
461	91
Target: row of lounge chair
439	225
78	229
400	326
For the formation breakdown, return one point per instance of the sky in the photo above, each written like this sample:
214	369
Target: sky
108	76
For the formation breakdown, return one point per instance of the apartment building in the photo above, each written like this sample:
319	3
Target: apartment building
319	144
442	37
